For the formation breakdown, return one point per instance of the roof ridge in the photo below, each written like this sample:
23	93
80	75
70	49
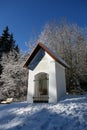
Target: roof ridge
56	57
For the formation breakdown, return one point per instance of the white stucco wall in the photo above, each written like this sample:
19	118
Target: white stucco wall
30	91
56	79
60	80
52	83
47	65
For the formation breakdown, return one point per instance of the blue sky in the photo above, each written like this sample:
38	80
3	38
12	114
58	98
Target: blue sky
26	17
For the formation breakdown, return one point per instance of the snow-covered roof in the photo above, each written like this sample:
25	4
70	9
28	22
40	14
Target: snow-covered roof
56	57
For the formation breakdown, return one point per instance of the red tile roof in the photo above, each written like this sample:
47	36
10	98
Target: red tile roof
37	48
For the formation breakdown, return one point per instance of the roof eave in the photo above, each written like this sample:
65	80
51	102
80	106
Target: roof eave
35	50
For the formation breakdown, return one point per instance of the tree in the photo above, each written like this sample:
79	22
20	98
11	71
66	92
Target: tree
69	41
7	42
13	78
13	82
17	49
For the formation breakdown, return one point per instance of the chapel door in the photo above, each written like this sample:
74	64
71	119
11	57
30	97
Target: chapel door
41	87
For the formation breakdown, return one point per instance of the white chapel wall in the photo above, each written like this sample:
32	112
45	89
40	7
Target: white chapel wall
43	66
56	72
60	80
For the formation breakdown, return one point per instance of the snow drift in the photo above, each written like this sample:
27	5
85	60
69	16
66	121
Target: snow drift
69	114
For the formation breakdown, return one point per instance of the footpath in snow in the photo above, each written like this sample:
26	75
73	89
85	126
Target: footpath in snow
68	114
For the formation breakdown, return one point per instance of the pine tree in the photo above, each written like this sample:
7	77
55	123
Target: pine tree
7	45
17	48
11	42
7	42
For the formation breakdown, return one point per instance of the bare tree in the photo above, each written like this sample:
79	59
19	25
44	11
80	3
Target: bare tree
70	42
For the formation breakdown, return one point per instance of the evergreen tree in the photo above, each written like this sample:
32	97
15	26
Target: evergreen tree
17	48
7	45
11	42
7	42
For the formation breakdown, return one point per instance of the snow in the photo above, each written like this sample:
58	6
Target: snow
70	113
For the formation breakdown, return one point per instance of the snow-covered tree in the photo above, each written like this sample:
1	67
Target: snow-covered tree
70	42
13	78
13	81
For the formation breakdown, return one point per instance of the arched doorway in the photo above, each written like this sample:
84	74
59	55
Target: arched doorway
41	87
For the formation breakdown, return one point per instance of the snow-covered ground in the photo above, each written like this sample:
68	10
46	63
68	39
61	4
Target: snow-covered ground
68	114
